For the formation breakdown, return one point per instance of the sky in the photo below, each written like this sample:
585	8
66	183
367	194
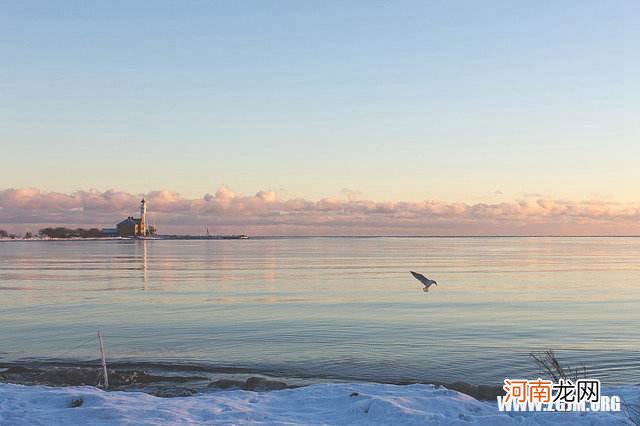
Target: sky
402	103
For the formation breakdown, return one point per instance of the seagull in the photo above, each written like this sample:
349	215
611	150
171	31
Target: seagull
424	280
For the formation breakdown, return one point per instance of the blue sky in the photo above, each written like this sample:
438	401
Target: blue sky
454	101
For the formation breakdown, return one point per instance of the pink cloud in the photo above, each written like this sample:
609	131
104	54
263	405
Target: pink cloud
265	213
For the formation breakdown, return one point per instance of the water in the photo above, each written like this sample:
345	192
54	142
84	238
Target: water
343	308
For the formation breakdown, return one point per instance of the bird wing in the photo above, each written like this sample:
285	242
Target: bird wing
424	280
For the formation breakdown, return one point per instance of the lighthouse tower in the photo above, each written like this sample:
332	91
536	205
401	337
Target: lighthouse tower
143	218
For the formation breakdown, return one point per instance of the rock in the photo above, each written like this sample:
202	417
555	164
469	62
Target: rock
226	384
489	392
16	370
262	384
172	392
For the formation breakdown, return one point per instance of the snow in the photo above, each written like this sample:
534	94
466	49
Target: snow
311	405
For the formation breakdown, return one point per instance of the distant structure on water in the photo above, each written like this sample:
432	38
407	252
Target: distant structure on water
139	228
132	226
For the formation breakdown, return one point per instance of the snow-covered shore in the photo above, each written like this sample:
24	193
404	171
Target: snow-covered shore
363	403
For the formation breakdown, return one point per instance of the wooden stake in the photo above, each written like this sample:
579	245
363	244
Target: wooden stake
104	361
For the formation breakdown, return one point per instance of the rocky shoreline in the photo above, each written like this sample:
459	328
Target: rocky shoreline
181	381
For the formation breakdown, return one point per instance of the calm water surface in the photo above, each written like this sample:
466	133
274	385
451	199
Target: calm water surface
342	308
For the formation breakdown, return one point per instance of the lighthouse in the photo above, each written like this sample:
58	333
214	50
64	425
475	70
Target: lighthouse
135	226
143	219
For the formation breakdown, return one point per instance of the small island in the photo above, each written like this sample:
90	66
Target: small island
129	228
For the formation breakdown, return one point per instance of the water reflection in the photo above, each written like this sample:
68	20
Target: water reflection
344	306
144	263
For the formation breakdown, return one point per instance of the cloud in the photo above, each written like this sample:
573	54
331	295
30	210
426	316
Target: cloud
266	213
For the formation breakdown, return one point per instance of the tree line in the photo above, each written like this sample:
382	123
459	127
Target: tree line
58	232
5	234
61	232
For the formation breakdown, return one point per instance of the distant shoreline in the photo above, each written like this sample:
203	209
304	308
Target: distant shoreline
268	237
163	238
